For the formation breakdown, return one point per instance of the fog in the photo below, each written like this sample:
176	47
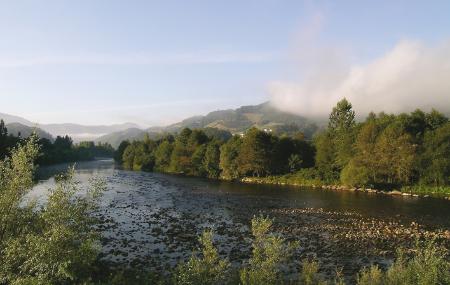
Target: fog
410	75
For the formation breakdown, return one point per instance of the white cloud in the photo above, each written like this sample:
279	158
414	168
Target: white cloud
409	76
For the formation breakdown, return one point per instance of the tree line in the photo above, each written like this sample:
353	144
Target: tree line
383	151
62	149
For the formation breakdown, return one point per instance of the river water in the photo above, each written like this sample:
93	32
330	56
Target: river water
152	220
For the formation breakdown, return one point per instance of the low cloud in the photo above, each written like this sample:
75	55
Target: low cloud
411	75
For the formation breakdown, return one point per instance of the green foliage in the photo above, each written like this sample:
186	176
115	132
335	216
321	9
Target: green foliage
326	157
255	153
428	266
206	270
294	162
370	276
309	275
269	254
118	154
407	151
435	159
354	174
49	244
138	156
212	160
162	155
228	158
341	126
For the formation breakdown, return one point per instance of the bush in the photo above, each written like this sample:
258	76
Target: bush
309	274
51	244
269	254
208	270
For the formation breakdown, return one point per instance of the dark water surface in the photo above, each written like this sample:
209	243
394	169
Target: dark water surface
153	220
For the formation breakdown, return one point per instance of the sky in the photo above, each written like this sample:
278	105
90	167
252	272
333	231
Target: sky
157	62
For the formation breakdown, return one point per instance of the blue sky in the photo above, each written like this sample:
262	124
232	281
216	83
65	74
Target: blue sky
156	62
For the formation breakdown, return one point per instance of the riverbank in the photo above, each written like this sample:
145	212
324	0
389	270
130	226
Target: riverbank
408	191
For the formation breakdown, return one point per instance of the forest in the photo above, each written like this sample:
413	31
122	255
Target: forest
62	149
385	151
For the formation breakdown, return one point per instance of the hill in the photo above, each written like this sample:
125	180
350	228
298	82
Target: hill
83	132
116	138
263	116
25	131
238	120
76	131
15	119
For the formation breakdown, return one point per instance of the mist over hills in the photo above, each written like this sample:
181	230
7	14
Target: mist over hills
24	131
263	116
76	131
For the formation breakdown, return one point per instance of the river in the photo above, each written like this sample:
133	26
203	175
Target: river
152	220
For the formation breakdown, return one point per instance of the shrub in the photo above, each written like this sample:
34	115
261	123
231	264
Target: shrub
269	254
209	269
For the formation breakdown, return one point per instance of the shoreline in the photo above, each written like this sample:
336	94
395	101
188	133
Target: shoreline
264	180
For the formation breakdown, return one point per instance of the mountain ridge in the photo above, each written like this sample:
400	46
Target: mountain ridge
78	132
263	116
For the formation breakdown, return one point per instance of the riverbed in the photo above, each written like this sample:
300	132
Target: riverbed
152	220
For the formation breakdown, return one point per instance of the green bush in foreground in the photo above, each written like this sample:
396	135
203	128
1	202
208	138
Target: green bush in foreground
49	244
269	253
427	265
207	270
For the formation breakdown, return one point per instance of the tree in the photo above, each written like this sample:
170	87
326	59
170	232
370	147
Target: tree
435	120
206	270
395	155
294	162
3	139
362	169
51	244
325	156
228	158
435	159
255	153
197	166
120	150
138	157
180	161
269	253
341	125
212	160
162	155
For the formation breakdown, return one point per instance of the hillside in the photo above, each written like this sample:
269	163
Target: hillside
25	131
15	119
234	121
76	131
261	116
116	138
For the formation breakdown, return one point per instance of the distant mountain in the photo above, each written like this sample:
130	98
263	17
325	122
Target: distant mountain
82	132
263	116
116	138
15	119
238	120
24	131
76	131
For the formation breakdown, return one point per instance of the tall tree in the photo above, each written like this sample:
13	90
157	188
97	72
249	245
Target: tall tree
255	154
162	155
341	126
228	158
435	159
212	159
